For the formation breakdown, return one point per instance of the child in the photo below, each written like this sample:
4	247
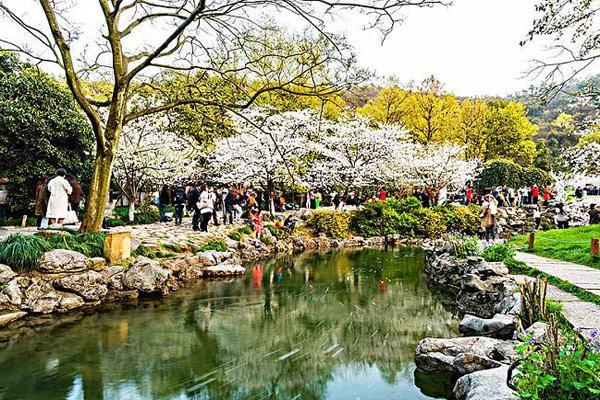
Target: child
257	223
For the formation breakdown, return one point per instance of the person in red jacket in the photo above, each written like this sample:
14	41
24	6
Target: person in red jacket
535	194
469	195
382	195
547	196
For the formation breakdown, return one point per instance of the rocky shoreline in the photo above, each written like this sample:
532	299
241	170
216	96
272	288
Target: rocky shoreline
490	300
67	281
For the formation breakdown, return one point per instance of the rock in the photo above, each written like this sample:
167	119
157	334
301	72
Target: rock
147	276
499	326
97	263
59	261
224	270
461	355
489	384
9	317
88	285
6	273
122	295
481	297
12	292
206	258
510	305
486	269
134	244
69	301
538	331
113	276
40	297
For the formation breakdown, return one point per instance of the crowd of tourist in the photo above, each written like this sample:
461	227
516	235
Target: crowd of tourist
57	199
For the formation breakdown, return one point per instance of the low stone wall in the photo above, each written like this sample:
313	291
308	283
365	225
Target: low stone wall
66	280
490	299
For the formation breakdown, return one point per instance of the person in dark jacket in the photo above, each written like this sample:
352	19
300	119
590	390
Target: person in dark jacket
179	203
594	214
164	199
76	195
230	201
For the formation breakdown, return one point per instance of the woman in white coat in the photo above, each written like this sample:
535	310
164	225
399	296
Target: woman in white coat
58	204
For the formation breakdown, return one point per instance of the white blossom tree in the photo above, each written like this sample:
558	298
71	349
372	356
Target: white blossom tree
267	148
149	155
352	154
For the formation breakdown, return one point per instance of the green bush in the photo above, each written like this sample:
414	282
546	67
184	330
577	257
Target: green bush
376	219
245	230
498	252
114	222
89	244
335	224
464	246
429	223
274	231
565	369
268	240
22	252
405	205
146	218
463	219
217	245
235	236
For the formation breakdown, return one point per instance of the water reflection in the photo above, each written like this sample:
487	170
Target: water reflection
337	325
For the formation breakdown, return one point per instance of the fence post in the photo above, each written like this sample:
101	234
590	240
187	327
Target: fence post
594	248
531	240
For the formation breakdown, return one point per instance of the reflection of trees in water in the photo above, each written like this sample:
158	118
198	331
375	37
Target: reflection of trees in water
224	340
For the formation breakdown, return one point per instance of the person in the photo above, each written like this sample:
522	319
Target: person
257	223
535	194
76	194
318	198
512	197
3	204
216	198
468	195
206	207
594	214
335	199
229	210
579	193
547	196
58	203
179	203
489	210
164	199
42	195
382	195
537	217
561	219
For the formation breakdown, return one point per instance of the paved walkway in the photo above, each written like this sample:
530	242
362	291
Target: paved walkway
583	315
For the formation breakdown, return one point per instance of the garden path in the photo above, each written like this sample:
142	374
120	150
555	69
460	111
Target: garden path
583	315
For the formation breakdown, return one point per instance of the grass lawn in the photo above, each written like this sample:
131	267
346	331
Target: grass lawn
571	244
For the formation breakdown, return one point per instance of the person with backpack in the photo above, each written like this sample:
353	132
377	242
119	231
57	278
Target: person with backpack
192	201
179	203
206	207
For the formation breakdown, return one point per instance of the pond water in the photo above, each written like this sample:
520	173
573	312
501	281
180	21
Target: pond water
337	325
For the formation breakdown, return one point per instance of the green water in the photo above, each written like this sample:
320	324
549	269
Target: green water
339	325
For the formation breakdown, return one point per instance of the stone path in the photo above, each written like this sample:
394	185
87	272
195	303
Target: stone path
586	278
583	315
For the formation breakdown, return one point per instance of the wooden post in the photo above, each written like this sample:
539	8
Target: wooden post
594	248
117	246
531	240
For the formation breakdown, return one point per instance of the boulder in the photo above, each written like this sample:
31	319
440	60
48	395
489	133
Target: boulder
6	273
12	292
481	297
40	298
59	261
69	301
499	326
97	263
9	317
113	276
538	332
461	355
484	385
88	285
147	276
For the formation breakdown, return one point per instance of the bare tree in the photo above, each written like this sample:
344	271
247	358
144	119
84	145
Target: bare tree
198	40
574	26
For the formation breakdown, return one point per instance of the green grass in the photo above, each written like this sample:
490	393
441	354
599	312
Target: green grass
519	267
571	244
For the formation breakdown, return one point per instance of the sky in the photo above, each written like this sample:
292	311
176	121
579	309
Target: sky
472	47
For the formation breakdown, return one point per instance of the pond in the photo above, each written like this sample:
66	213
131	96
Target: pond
336	325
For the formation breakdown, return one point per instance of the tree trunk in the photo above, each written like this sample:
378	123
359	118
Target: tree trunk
131	209
98	194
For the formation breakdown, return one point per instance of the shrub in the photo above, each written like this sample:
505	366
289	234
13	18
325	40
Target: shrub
274	231
146	218
498	252
464	246
429	223
22	252
235	236
268	240
405	205
376	219
216	245
114	222
89	244
463	219
560	367
245	230
335	224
